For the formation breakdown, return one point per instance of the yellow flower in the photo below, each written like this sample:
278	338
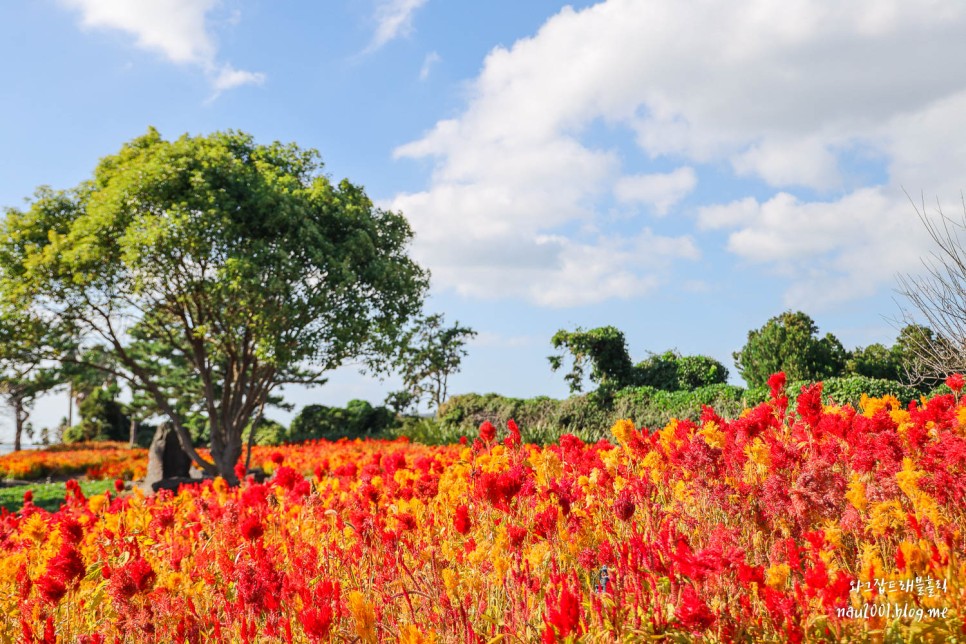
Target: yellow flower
410	634
759	460
622	431
885	516
713	436
35	528
97	503
364	615
668	435
450	581
682	492
777	576
908	478
538	554
871	406
856	493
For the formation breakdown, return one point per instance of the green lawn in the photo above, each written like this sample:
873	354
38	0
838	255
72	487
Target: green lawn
47	495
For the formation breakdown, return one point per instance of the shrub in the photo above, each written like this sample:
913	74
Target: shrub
268	432
543	420
357	419
671	371
843	391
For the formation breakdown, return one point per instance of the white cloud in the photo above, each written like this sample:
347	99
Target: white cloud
777	92
662	191
229	78
831	251
394	18
177	29
428	63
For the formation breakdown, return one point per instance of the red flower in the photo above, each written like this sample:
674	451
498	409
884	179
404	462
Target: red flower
62	571
624	505
119	485
462	519
514	438
286	477
316	621
251	528
487	431
955	382
563	619
776	382
810	404
692	612
136	576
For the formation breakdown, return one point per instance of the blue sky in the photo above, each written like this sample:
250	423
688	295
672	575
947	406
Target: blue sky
682	171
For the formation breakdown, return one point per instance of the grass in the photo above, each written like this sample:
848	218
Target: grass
48	496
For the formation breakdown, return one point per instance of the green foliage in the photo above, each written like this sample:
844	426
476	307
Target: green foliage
846	390
357	419
244	260
23	376
604	348
589	417
789	343
102	417
427	431
671	371
427	356
268	432
916	348
49	496
875	361
654	408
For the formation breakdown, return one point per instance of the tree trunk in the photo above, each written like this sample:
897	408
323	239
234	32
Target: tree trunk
20	416
134	432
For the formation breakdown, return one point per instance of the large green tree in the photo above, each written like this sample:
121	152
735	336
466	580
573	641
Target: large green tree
24	375
243	259
429	353
789	342
603	349
673	372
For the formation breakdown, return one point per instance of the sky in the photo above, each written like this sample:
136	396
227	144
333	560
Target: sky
683	171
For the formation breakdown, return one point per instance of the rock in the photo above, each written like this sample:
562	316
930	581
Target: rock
174	483
166	459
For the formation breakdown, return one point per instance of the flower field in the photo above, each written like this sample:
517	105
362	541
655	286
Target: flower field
794	522
103	460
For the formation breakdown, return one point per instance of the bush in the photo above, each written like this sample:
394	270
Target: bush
428	431
653	408
102	419
671	371
356	420
842	391
589	417
268	432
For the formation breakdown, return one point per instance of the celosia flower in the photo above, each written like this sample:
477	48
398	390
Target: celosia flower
513	438
955	382
63	570
563	616
461	521
624	505
136	576
487	432
317	621
693	614
776	384
251	528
